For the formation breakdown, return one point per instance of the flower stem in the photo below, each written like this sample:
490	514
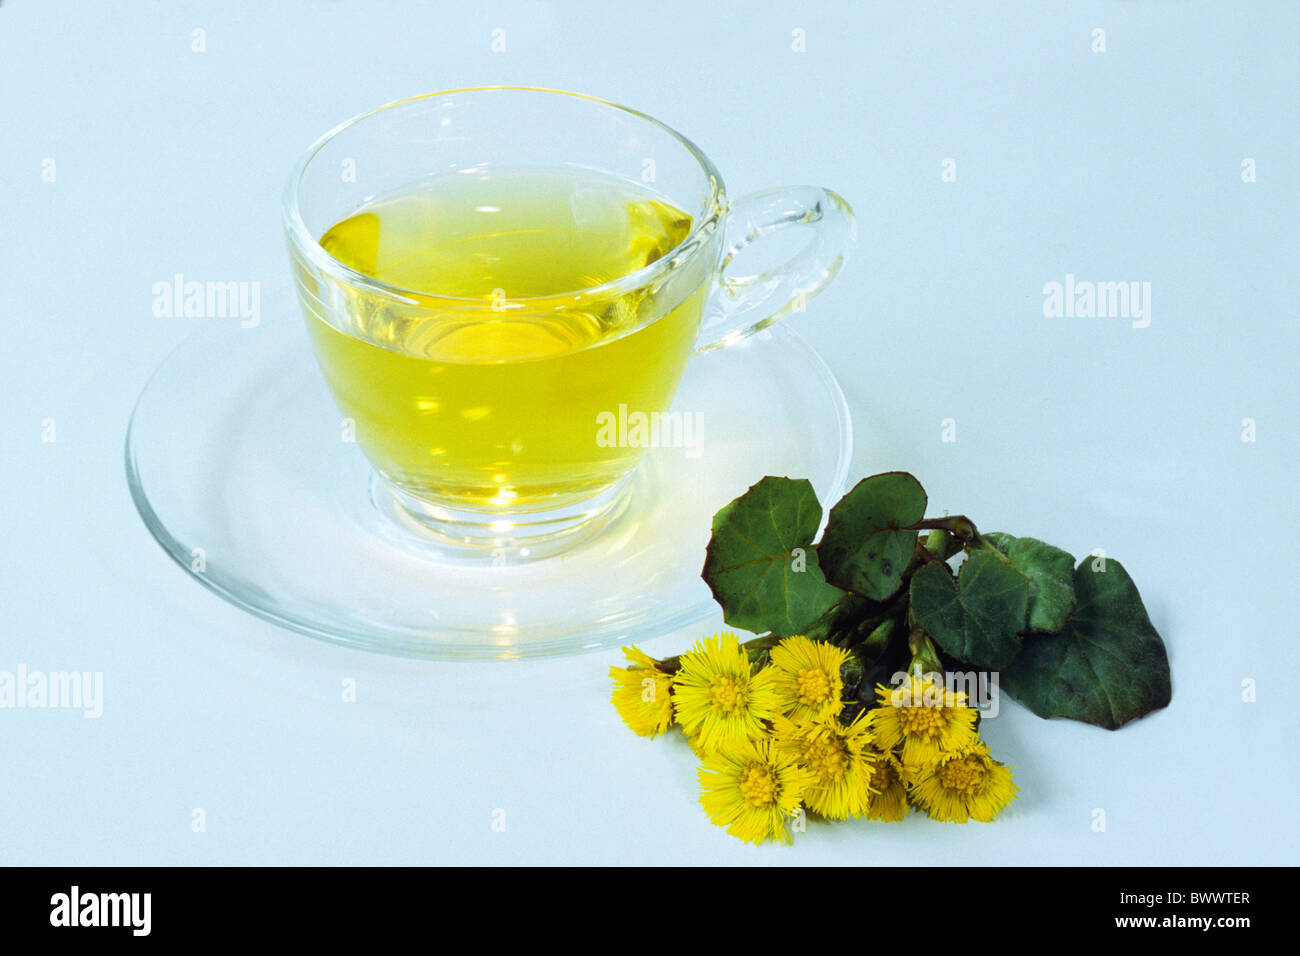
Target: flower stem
925	656
959	525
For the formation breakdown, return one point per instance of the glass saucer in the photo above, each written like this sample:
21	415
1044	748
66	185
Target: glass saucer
236	460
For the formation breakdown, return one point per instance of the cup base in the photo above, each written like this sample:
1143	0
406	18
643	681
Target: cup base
500	539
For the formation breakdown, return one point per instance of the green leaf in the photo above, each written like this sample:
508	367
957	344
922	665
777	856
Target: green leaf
976	617
1107	666
1051	578
751	565
935	607
866	545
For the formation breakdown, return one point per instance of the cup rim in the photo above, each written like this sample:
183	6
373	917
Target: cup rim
321	259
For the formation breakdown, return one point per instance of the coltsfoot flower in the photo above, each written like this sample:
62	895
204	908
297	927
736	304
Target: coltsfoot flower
752	789
967	784
717	696
642	694
923	717
808	677
837	756
888	801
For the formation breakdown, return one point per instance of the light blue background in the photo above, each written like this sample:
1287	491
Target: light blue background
1115	166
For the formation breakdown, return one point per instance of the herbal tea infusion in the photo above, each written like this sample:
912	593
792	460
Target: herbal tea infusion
482	384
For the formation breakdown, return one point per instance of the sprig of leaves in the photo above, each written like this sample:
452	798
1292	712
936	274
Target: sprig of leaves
1070	640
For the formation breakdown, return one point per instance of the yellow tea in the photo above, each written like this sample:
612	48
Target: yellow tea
481	384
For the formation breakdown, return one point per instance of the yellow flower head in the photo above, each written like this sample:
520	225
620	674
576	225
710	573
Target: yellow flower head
694	743
837	757
718	697
808	677
888	792
642	694
924	717
752	790
964	785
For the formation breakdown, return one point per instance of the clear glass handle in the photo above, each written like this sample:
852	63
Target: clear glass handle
745	302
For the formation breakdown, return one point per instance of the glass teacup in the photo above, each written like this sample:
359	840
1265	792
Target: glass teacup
503	287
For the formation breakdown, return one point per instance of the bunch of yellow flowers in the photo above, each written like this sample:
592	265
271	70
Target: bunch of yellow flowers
773	739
